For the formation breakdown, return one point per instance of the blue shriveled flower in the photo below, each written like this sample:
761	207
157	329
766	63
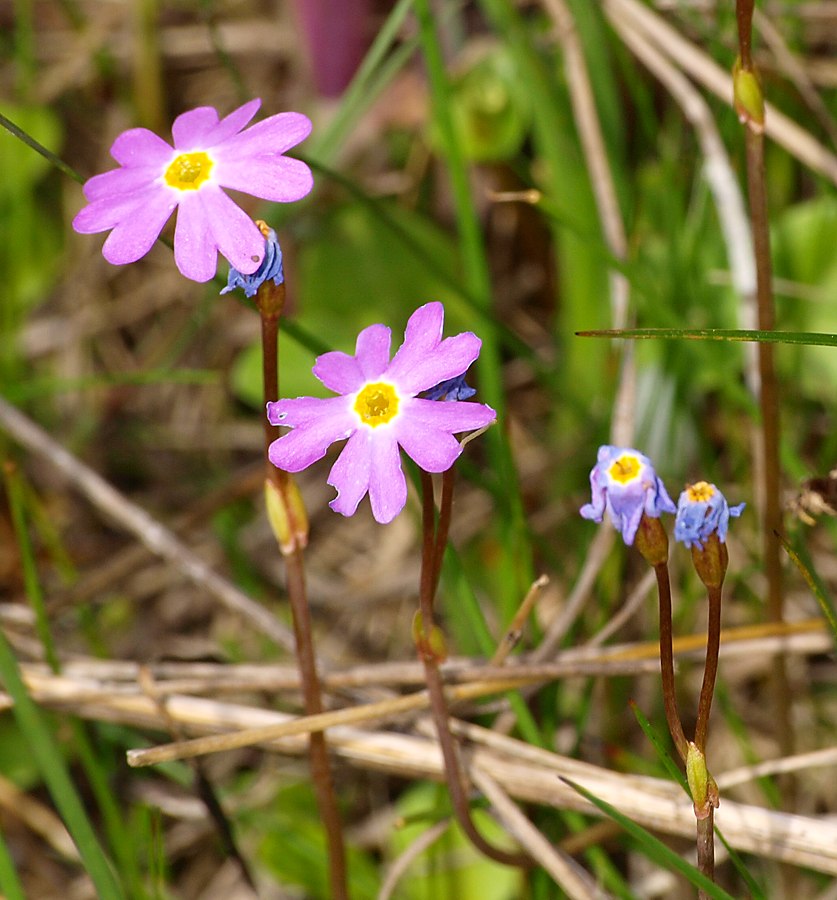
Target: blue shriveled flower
452	389
271	266
702	510
624	482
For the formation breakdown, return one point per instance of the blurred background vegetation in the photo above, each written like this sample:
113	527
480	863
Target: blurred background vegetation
154	382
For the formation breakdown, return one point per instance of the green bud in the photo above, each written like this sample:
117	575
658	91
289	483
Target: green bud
748	98
702	785
286	514
430	645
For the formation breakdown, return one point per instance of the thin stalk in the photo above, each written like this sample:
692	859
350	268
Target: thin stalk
430	564
270	302
710	671
769	393
478	283
667	662
706	849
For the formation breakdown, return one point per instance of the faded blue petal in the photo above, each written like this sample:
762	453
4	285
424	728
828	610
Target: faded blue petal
271	268
702	510
451	389
624	483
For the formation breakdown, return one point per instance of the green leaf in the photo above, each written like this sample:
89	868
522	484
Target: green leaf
653	847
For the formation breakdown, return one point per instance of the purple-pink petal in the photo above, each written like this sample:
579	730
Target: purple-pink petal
276	178
423	367
108	212
372	351
195	251
119	182
233	123
134	235
270	137
303	446
339	372
422	334
191	128
235	233
433	450
350	473
139	147
387	485
301	411
208	221
450	417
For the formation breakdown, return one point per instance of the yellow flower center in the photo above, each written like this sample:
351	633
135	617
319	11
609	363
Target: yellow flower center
189	171
625	469
377	404
700	492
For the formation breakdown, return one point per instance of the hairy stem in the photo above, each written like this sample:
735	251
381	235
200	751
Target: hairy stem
295	581
667	662
433	542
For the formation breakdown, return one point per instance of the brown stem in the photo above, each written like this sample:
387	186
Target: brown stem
710	671
317	751
706	849
744	16
769	393
321	776
667	662
430	564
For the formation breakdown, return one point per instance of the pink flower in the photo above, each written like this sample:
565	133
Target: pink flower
379	411
135	201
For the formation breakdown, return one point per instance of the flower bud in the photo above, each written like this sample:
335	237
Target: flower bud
286	514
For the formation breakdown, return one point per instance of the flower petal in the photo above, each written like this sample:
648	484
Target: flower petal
387	485
133	236
108	212
195	251
141	147
372	351
236	234
346	374
432	450
271	137
424	359
191	128
118	182
422	334
350	474
276	178
339	372
305	410
209	221
303	446
451	417
233	123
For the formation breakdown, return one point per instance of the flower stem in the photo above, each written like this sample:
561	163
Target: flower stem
667	661
706	849
270	301
433	543
769	394
707	690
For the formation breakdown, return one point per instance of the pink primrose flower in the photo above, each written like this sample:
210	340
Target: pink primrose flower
378	410
135	201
